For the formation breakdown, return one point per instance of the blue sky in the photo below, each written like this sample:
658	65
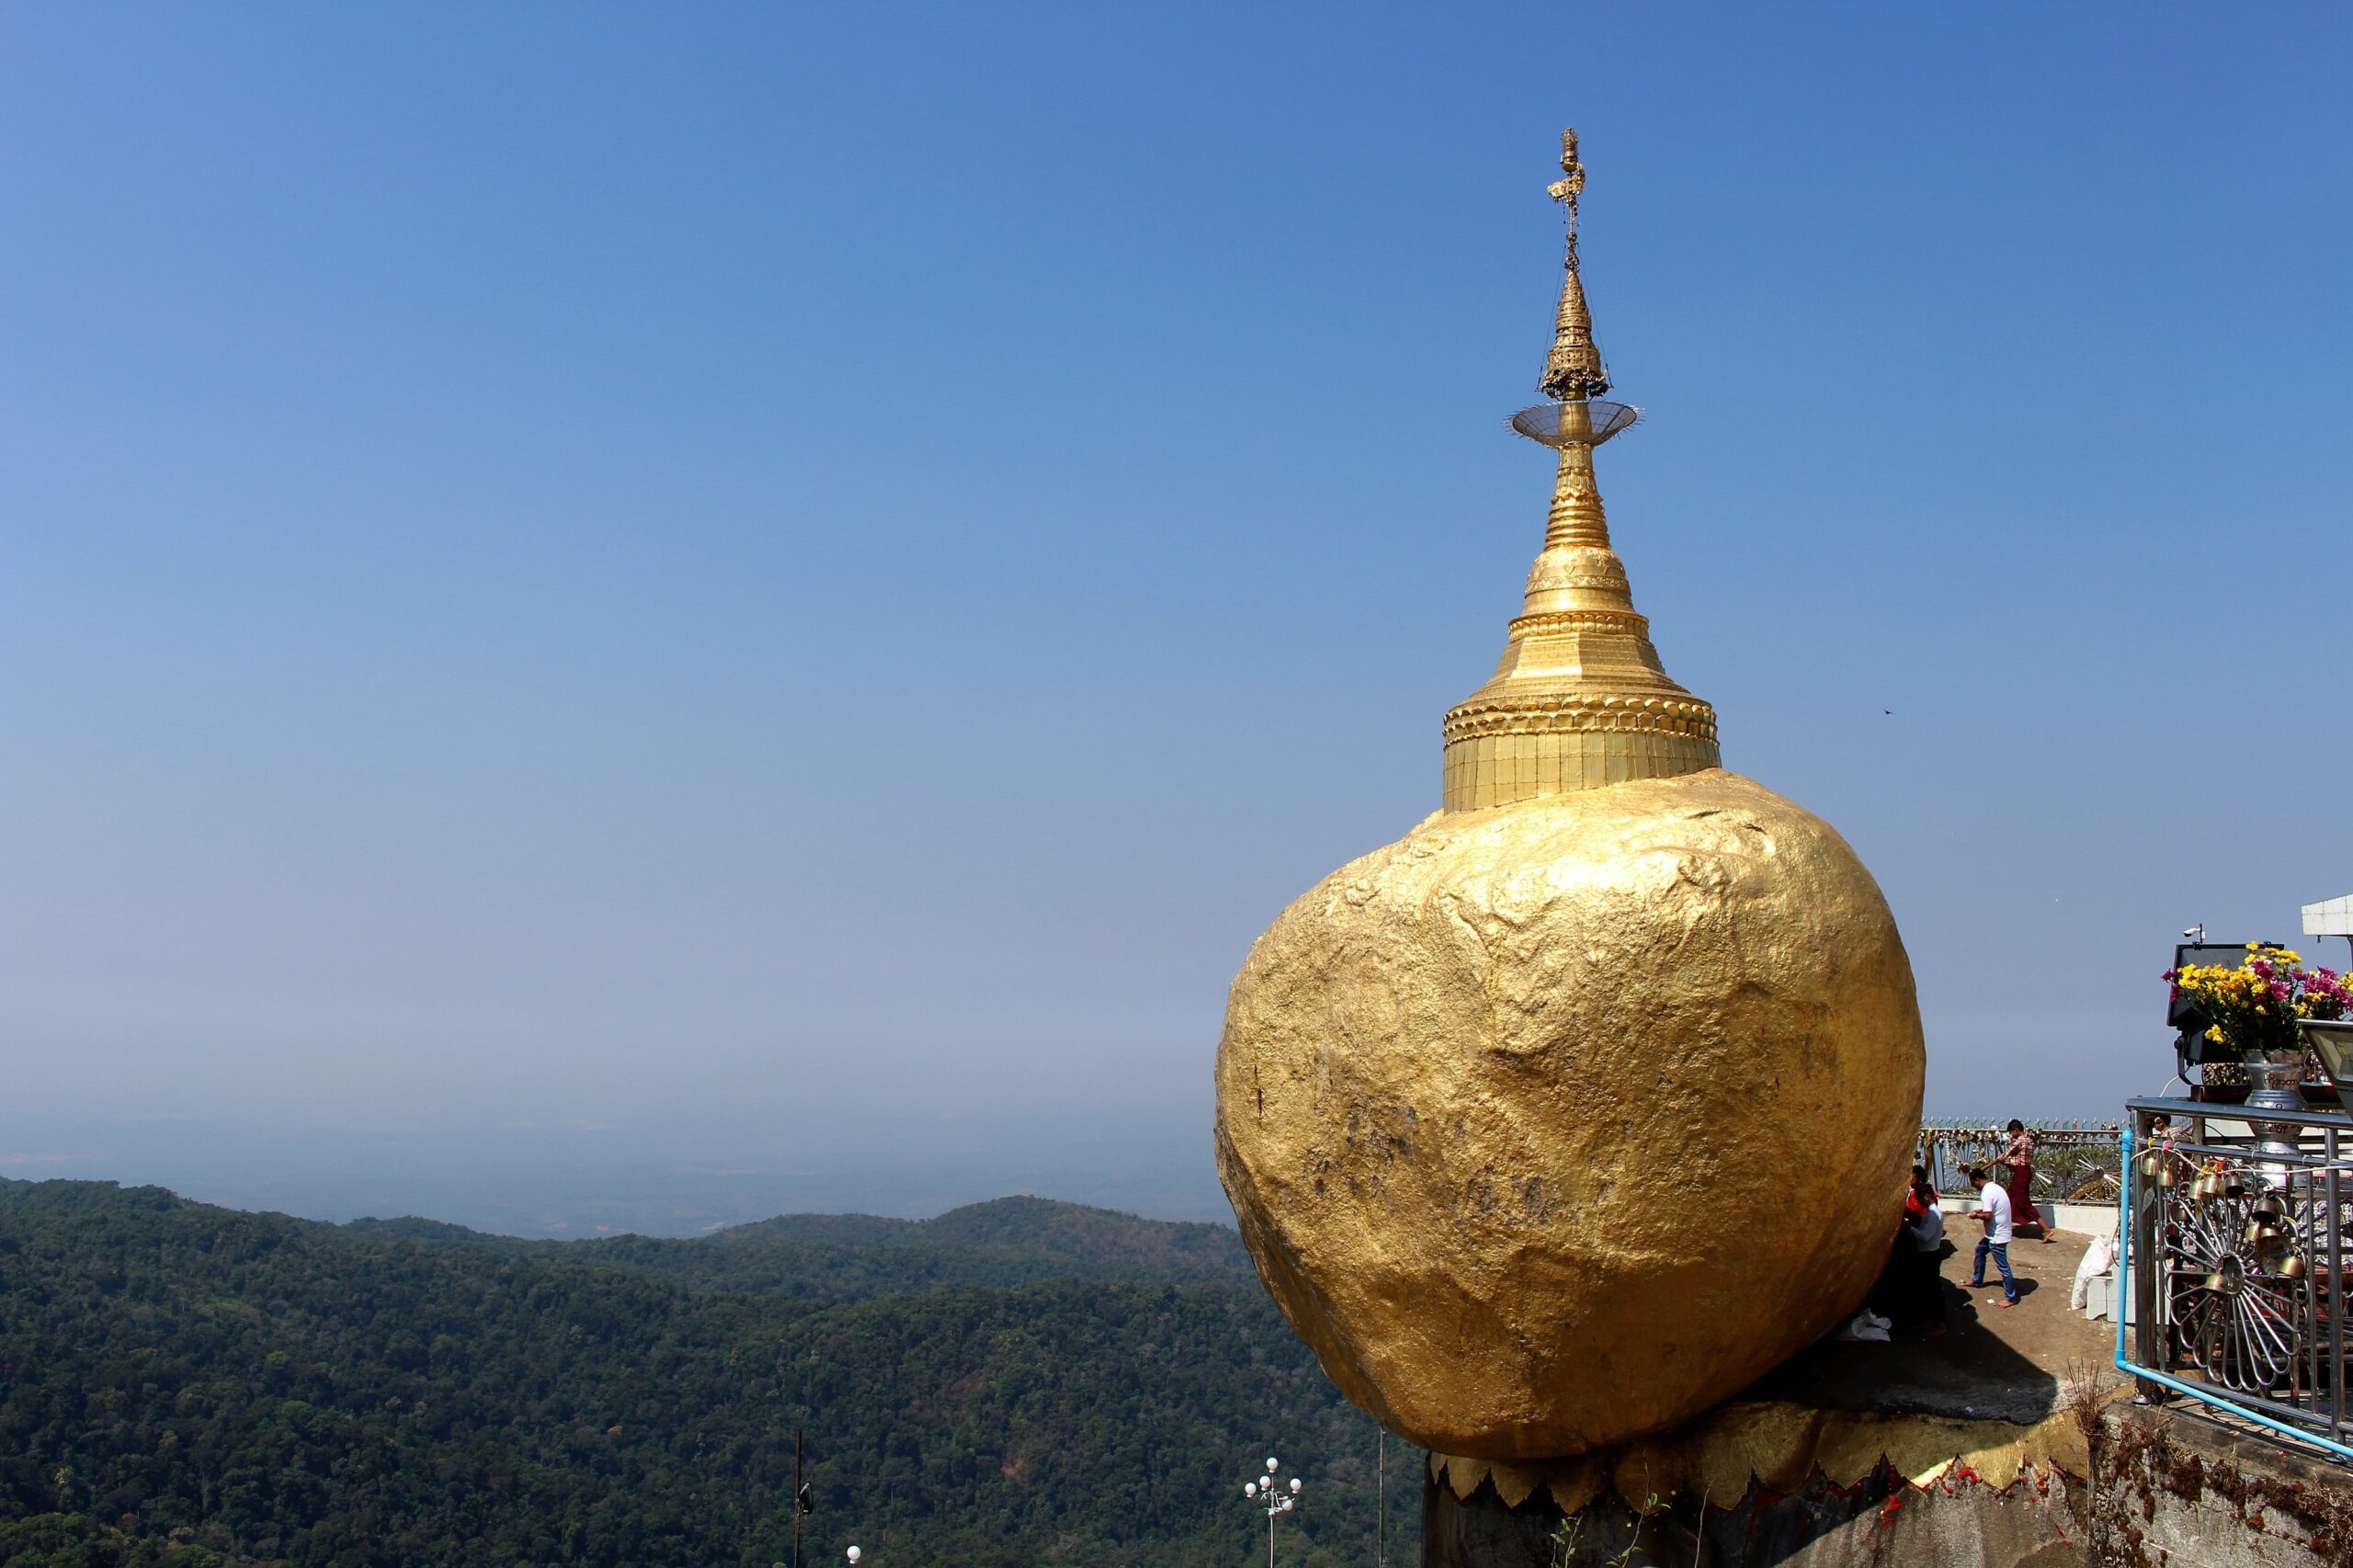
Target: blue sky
786	588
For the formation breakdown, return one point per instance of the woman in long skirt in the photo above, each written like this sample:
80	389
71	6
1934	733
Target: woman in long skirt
2018	1158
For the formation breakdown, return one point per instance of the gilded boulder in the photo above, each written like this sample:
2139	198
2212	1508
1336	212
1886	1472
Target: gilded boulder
1555	1123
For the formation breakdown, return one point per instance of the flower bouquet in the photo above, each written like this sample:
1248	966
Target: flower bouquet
2253	1011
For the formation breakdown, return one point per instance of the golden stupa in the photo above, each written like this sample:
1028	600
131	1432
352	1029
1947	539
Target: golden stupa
1590	1100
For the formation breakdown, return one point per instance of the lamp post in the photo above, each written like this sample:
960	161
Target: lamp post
802	1503
1262	1491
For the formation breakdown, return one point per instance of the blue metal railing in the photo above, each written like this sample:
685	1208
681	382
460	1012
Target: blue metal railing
2231	1231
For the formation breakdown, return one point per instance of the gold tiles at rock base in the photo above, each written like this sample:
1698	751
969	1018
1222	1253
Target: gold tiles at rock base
1778	1446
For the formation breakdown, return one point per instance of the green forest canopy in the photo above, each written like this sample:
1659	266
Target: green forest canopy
1017	1383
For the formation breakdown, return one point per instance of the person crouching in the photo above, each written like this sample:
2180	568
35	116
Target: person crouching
1921	1246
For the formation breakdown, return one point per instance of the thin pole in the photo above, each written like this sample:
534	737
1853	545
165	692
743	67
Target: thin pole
1270	1538
2336	1294
796	1497
1380	1489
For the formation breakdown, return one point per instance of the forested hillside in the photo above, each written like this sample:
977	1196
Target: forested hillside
1016	1383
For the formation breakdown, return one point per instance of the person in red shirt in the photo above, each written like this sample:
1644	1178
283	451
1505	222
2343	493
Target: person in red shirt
1922	1248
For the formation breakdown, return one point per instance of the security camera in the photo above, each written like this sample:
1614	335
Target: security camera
2196	934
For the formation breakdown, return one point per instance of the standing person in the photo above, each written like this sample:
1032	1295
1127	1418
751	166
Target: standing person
1993	1209
1922	1245
2018	1160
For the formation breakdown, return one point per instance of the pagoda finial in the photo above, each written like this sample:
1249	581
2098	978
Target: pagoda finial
1573	371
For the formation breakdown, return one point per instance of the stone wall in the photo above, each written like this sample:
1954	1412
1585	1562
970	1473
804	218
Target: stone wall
2174	1489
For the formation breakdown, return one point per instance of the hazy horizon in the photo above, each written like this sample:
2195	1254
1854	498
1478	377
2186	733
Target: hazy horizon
613	596
581	1179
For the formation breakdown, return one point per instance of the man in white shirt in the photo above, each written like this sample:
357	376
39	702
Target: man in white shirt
1993	1208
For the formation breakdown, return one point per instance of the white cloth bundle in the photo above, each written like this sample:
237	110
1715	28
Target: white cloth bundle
2098	1258
1865	1325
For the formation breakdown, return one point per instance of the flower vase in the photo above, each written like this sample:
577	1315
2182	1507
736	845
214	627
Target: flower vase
2272	1077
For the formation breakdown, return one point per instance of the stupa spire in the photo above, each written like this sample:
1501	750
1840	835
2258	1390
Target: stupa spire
1579	699
1574	370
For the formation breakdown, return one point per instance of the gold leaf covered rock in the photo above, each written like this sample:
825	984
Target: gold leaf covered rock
1554	1124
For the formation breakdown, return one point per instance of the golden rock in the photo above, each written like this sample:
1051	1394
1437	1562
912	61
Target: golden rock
1554	1124
1586	1103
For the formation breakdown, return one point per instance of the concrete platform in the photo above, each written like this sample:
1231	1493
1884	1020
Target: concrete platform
1992	1363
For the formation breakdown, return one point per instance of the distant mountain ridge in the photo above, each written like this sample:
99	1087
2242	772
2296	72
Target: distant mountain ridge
843	1257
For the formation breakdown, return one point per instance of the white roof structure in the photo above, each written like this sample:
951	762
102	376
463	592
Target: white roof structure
2329	917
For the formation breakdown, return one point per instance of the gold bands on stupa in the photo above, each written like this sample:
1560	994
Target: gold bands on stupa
1579	699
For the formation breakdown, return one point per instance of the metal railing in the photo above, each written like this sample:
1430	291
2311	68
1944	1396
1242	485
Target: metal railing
2233	1236
2075	1161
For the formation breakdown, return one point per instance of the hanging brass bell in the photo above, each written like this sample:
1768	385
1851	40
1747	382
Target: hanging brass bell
2294	1266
